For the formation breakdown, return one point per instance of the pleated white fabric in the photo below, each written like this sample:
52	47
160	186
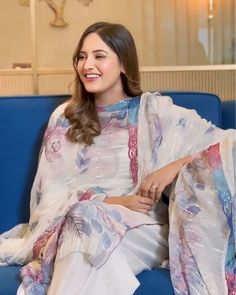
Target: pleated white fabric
137	251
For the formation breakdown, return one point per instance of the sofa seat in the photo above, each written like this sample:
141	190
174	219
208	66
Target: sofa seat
150	281
9	280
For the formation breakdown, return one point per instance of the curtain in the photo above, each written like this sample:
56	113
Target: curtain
187	32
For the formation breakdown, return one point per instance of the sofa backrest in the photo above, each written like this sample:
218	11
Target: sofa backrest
207	105
22	124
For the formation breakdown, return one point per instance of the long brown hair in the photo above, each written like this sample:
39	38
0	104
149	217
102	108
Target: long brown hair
81	111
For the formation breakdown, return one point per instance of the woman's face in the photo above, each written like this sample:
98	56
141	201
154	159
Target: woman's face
99	70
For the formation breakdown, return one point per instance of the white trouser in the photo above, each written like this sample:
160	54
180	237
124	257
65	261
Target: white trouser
141	248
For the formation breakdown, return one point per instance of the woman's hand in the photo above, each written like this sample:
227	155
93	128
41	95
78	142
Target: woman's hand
154	184
134	202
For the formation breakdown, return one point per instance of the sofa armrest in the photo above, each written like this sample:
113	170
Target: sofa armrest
228	114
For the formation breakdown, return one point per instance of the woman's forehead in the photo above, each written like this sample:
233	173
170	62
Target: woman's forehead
94	42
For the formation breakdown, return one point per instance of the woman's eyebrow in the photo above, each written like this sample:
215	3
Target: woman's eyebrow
95	51
100	50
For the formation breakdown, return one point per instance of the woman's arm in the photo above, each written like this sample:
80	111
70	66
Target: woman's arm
151	188
154	184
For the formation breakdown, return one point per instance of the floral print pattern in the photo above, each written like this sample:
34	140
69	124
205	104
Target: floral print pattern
55	143
187	203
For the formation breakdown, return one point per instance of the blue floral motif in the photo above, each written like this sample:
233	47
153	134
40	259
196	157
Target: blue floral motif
35	288
115	214
225	198
200	186
105	241
82	160
182	122
193	209
97	226
63	122
33	225
39	193
99	190
210	129
157	141
86	227
133	110
5	259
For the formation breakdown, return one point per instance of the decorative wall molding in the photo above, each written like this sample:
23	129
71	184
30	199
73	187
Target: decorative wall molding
58	10
24	2
58	13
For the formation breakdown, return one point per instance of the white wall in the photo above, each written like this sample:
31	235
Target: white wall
14	34
167	32
56	45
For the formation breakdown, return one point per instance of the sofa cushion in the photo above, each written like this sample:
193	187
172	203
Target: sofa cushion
155	282
207	105
229	114
9	280
22	124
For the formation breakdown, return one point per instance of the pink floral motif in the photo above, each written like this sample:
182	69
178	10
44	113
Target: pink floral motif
43	239
214	156
86	196
231	279
32	271
133	153
55	143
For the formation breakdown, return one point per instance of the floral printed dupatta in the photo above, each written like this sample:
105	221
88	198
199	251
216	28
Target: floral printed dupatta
202	224
202	210
202	205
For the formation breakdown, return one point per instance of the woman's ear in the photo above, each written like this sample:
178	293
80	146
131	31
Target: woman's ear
122	69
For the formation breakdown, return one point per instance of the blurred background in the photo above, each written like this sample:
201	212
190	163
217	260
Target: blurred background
182	44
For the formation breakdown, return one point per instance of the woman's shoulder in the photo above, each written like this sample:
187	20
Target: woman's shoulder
156	96
156	101
164	107
59	111
58	114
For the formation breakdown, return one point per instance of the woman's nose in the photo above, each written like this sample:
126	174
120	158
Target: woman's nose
89	63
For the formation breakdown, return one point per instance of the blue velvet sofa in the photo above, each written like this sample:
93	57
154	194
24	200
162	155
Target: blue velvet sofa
22	123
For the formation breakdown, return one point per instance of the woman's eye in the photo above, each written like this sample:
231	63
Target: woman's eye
81	57
100	56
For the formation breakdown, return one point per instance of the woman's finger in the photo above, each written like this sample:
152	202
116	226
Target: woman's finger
146	201
145	207
152	192
145	190
159	192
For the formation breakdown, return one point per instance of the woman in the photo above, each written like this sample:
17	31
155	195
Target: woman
97	216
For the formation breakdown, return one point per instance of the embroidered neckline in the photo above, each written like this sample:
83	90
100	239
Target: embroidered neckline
120	105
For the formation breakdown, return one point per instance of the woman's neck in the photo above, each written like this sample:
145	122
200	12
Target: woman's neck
109	97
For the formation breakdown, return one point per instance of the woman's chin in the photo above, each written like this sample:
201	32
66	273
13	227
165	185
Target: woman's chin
91	89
